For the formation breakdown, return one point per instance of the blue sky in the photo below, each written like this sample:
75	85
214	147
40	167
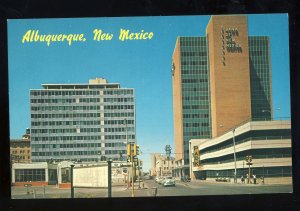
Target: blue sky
144	65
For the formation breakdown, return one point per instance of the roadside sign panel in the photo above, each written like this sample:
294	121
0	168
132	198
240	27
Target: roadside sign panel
91	176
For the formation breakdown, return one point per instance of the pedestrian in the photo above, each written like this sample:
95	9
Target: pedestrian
242	179
254	178
262	180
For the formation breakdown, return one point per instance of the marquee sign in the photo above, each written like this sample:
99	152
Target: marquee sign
196	156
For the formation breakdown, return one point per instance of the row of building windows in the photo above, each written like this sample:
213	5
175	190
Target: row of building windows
18	158
20	151
66	115
204	63
189	54
118	107
186	107
63	93
187	98
89	130
192	134
73	100
194	80
194	89
60	123
282	171
67	130
237	141
65	138
117	144
63	108
189	71
114	152
196	124
258	52
65	153
221	161
89	100
115	137
16	144
118	122
29	175
52	100
118	92
57	146
118	129
123	114
195	116
118	100
195	102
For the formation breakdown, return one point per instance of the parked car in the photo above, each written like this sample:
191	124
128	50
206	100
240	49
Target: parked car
165	178
168	182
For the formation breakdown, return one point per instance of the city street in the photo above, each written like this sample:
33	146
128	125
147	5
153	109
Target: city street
181	189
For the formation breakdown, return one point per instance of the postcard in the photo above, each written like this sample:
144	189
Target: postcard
149	106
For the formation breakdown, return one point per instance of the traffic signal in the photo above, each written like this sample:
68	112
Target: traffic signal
128	149
141	162
136	149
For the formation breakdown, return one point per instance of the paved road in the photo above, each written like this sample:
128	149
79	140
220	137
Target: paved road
181	189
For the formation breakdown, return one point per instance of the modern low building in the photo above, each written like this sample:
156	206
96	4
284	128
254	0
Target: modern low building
20	149
267	142
35	174
219	81
84	122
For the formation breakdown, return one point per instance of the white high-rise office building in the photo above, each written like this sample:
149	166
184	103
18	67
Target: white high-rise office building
87	122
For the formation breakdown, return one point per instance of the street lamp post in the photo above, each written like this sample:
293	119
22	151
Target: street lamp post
234	154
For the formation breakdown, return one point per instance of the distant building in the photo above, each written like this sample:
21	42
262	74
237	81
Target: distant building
219	81
20	149
153	158
161	165
86	122
267	142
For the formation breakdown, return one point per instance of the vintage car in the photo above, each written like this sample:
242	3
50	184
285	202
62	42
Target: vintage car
168	182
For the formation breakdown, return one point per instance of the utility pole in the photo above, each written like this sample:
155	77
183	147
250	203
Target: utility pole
109	178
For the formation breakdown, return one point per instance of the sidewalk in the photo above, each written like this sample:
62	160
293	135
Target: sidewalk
197	183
